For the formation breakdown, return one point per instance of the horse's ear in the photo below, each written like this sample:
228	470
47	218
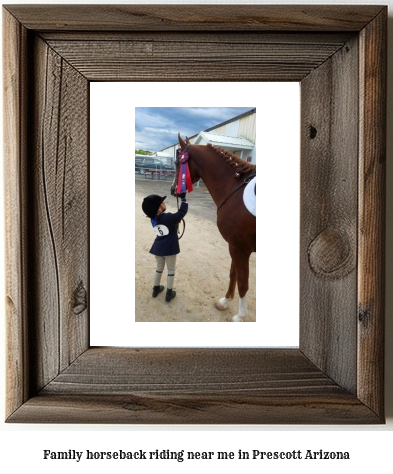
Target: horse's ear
187	141
182	142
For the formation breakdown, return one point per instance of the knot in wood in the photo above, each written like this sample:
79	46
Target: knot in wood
313	132
364	316
331	255
80	299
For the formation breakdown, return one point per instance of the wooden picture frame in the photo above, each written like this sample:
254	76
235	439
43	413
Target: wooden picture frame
338	54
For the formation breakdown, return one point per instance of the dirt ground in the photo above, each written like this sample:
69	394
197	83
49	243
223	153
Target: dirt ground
202	269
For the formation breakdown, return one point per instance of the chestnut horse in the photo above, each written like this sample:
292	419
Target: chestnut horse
225	176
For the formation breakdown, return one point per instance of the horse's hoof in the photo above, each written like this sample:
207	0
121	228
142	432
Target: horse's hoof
219	306
222	303
237	319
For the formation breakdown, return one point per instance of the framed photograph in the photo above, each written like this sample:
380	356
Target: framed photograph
52	55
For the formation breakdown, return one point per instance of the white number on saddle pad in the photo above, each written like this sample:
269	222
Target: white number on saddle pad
161	230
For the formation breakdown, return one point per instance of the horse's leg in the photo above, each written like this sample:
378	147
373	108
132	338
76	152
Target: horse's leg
242	271
223	302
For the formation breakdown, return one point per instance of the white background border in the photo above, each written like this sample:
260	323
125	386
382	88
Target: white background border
112	217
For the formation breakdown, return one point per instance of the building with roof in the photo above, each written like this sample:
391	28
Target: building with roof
237	135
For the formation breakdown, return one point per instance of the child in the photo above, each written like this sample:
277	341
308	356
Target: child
166	245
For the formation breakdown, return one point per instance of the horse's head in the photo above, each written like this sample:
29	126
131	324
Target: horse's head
185	146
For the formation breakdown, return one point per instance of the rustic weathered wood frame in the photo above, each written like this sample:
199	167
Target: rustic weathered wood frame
338	54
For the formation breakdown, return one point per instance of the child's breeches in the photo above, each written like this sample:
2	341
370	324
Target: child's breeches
171	266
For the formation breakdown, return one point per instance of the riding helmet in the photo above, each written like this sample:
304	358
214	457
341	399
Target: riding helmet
151	204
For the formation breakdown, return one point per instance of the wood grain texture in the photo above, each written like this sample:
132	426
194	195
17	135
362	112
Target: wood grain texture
188	17
201	37
194	409
372	172
329	173
60	114
14	73
191	371
193	386
51	54
218	59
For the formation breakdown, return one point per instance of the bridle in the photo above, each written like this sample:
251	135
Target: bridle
174	193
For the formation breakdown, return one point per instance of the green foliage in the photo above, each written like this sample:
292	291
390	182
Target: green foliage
143	152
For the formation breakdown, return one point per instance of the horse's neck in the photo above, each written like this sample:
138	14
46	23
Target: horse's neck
218	178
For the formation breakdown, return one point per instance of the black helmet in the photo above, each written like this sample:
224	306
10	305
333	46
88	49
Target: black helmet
151	204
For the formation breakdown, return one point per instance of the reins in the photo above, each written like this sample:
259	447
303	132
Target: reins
246	181
184	222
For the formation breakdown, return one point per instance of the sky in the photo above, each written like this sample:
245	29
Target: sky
157	127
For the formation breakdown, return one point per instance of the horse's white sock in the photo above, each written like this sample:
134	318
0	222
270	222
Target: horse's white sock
242	310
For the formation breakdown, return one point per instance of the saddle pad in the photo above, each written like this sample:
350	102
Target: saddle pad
250	197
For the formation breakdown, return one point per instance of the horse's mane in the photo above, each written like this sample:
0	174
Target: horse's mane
241	167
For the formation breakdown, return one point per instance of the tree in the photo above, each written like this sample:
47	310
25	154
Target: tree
143	152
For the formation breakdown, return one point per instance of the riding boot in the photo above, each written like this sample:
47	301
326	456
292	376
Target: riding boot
156	290
170	294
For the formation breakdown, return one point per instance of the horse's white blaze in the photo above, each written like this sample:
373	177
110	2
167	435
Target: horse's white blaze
242	310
